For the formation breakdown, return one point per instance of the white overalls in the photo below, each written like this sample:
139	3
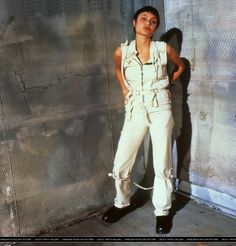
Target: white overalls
148	106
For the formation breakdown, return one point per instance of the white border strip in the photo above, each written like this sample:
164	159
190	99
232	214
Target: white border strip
214	199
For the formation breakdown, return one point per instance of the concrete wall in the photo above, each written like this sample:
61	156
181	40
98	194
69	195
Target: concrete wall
206	157
61	106
61	109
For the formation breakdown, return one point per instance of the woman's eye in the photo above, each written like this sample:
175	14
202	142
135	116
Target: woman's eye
144	19
154	22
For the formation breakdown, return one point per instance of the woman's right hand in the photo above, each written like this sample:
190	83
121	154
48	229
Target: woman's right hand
125	92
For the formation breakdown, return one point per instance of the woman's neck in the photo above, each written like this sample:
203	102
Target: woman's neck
143	48
142	42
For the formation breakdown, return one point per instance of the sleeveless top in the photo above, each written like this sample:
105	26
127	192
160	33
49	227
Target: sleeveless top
147	82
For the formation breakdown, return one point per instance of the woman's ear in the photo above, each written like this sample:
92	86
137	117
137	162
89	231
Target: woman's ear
134	23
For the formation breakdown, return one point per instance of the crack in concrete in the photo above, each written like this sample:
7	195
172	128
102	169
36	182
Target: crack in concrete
23	89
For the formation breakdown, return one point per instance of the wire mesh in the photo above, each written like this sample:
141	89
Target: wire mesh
57	114
60	114
209	45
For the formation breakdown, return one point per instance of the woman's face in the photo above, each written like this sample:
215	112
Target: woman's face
146	24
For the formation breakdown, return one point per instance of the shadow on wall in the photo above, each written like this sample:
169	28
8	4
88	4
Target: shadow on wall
182	133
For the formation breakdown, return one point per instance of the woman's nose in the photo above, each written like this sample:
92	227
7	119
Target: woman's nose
148	22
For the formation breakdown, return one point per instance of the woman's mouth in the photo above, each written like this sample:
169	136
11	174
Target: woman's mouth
147	29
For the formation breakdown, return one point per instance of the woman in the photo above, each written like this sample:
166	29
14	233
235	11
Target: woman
142	74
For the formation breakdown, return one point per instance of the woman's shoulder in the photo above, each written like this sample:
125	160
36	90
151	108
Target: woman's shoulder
125	50
159	45
117	51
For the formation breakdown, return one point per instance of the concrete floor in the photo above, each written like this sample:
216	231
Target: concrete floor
190	220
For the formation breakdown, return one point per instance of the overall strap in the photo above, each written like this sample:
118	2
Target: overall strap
160	59
124	52
161	49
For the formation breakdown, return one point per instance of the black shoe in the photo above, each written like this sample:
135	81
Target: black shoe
163	224
113	214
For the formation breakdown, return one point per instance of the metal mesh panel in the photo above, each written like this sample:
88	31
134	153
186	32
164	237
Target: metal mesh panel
60	116
55	119
209	46
8	213
55	163
60	112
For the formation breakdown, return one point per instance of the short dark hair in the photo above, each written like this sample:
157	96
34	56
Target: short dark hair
148	9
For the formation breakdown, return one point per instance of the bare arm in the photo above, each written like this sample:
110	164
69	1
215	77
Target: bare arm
174	57
117	58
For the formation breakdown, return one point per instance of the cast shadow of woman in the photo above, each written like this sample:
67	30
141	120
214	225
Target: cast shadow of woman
182	132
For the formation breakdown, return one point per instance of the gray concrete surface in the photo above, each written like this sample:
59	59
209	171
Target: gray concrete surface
190	220
61	106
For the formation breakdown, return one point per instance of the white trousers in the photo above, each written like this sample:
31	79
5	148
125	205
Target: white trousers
160	125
